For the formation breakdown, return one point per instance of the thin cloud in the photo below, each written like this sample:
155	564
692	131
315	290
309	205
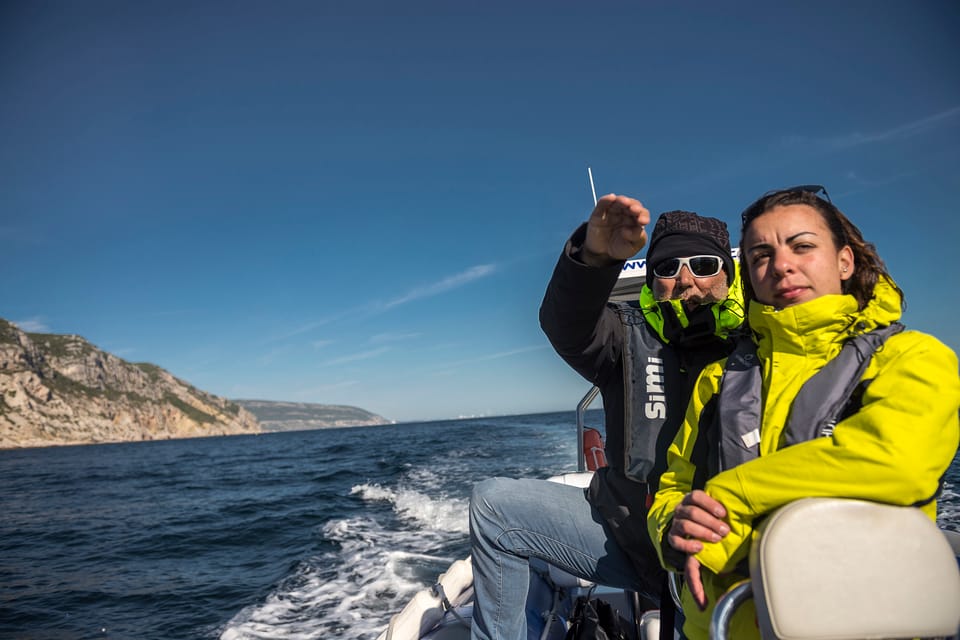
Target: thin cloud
32	325
170	313
309	326
861	184
447	284
324	389
857	139
512	352
788	148
273	355
450	367
320	344
393	337
306	328
353	357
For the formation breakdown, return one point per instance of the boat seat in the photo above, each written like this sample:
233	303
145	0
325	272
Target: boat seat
839	569
426	609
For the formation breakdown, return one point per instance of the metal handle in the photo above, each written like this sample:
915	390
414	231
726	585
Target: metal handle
581	410
736	595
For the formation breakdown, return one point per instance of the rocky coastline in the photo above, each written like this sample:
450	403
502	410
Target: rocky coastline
62	390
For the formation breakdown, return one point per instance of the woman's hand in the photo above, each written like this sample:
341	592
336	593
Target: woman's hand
691	575
697	518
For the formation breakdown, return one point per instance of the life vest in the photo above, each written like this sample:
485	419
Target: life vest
830	395
656	392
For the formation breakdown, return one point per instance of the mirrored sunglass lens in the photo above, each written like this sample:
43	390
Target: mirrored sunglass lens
815	189
667	268
705	265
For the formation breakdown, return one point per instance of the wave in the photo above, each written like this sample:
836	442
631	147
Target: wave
419	509
376	566
948	507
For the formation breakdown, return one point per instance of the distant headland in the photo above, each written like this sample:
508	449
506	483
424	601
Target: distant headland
61	389
297	416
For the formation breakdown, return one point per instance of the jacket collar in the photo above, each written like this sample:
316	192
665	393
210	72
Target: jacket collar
674	325
830	319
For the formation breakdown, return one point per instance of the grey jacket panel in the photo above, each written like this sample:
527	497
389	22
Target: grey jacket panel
822	401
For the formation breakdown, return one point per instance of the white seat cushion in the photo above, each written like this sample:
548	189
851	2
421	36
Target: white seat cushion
846	569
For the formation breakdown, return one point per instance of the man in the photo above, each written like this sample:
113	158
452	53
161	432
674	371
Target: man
645	358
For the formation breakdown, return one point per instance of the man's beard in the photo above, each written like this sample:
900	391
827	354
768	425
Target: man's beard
692	299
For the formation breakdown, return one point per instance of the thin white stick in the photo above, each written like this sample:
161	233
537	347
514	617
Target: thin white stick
592	190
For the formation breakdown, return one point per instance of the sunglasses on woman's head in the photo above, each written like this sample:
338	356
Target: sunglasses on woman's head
816	189
700	266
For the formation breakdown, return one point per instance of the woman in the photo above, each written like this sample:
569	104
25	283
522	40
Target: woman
813	284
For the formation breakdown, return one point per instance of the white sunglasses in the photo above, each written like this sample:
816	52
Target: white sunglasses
700	266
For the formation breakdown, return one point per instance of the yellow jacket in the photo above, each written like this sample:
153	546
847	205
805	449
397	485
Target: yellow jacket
894	450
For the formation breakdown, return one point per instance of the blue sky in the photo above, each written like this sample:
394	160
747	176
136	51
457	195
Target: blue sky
361	202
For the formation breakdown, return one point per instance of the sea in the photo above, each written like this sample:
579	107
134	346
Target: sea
302	535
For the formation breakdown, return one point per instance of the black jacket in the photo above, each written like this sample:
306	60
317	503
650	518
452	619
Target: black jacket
587	332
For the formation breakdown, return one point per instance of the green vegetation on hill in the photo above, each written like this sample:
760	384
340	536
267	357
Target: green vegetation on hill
152	370
200	416
59	346
8	333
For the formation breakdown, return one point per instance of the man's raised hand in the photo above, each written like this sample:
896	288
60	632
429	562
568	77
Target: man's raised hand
616	230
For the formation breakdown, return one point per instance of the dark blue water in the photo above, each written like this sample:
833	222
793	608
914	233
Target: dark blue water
315	534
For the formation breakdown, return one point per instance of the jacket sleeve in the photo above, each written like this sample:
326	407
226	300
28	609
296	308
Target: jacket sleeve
894	450
677	480
575	317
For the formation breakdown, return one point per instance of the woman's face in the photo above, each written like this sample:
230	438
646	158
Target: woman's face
791	257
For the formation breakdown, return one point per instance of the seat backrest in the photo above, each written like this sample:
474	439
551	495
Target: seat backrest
847	569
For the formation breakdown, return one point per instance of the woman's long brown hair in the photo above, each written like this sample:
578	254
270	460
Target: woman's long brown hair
868	268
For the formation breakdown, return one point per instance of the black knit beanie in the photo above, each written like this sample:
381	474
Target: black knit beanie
679	234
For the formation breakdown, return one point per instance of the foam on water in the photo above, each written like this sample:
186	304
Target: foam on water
376	567
948	507
447	516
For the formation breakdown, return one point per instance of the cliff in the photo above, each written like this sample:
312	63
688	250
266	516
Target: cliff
60	389
297	416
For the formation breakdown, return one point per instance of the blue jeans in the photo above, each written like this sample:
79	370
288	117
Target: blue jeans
512	520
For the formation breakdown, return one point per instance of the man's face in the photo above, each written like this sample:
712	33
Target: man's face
693	291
